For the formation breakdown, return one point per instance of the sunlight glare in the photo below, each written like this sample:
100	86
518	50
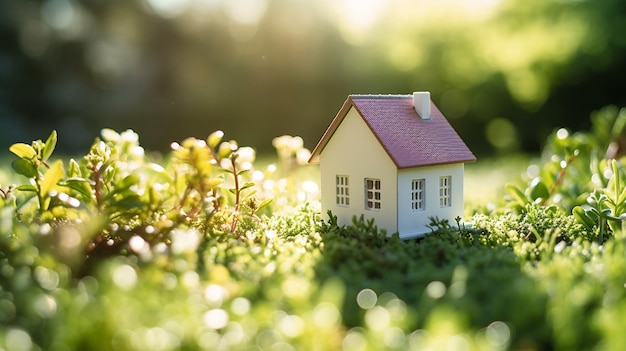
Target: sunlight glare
356	17
246	12
168	8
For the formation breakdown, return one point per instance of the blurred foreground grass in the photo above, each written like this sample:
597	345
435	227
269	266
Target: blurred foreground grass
116	251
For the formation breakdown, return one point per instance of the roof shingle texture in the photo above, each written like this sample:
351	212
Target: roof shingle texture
409	140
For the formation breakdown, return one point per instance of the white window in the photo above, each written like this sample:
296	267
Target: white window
342	190
444	191
372	194
417	194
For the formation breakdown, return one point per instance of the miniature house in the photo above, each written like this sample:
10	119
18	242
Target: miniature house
394	158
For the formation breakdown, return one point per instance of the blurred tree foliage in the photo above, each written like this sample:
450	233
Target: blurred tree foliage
504	71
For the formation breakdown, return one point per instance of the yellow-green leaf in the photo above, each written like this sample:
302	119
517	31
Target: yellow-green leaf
50	145
214	139
216	181
52	176
22	150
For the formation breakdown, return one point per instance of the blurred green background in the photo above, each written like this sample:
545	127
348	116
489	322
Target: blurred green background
505	72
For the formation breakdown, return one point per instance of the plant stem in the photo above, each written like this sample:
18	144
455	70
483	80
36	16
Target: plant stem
39	195
237	195
97	187
559	178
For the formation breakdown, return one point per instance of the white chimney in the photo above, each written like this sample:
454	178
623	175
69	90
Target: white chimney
421	103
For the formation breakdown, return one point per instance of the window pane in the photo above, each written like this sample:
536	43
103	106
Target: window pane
417	194
372	194
341	190
444	191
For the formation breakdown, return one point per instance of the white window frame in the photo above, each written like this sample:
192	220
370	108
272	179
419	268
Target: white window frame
372	194
445	191
342	190
418	195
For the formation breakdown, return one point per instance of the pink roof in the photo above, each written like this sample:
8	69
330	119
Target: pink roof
409	140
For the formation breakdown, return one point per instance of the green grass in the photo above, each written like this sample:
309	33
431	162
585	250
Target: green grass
142	265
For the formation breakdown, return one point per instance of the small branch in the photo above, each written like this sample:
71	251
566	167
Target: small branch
559	178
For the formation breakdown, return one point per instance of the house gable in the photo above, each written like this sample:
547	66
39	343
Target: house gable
354	153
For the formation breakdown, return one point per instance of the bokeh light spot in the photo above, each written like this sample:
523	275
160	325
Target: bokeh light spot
215	294
240	306
502	135
45	306
59	14
435	289
125	277
326	315
498	333
366	299
354	341
216	318
291	326
18	340
377	318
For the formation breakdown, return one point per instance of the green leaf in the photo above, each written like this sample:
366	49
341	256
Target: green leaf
50	145
30	188
246	186
583	217
73	169
80	185
22	150
153	170
214	139
52	176
264	203
127	182
226	149
616	218
517	194
24	167
618	125
538	190
216	181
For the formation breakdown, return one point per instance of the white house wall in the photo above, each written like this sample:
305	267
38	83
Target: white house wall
354	151
413	223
